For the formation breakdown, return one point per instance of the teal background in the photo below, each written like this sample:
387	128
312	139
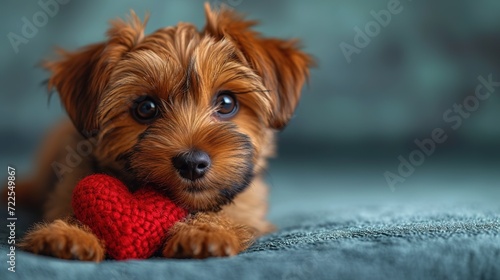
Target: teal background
355	119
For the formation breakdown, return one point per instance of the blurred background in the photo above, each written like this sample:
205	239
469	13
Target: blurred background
359	113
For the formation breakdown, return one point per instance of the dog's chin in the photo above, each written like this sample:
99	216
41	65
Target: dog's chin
198	196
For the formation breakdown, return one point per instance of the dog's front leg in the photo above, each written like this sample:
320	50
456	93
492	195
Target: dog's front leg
204	235
64	239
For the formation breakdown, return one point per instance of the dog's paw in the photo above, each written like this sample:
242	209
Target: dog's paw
62	240
198	243
202	239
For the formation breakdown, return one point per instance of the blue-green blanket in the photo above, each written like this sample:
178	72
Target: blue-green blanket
372	242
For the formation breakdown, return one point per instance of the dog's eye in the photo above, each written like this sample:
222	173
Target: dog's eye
227	105
145	110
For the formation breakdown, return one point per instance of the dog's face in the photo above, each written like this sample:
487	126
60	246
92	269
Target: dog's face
189	112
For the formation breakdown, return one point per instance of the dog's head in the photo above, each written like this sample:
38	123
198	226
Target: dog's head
190	112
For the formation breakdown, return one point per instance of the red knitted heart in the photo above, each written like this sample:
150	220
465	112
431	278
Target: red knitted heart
131	225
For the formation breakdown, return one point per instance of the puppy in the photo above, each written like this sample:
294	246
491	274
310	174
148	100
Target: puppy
193	113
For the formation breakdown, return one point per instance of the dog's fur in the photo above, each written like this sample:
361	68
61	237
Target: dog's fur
183	70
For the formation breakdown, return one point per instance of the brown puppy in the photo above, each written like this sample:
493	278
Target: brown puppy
191	112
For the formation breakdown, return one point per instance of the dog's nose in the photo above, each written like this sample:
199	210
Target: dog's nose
192	165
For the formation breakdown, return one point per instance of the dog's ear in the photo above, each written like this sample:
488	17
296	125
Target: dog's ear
282	65
81	77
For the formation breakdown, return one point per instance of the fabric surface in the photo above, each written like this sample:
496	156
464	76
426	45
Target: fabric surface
371	242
